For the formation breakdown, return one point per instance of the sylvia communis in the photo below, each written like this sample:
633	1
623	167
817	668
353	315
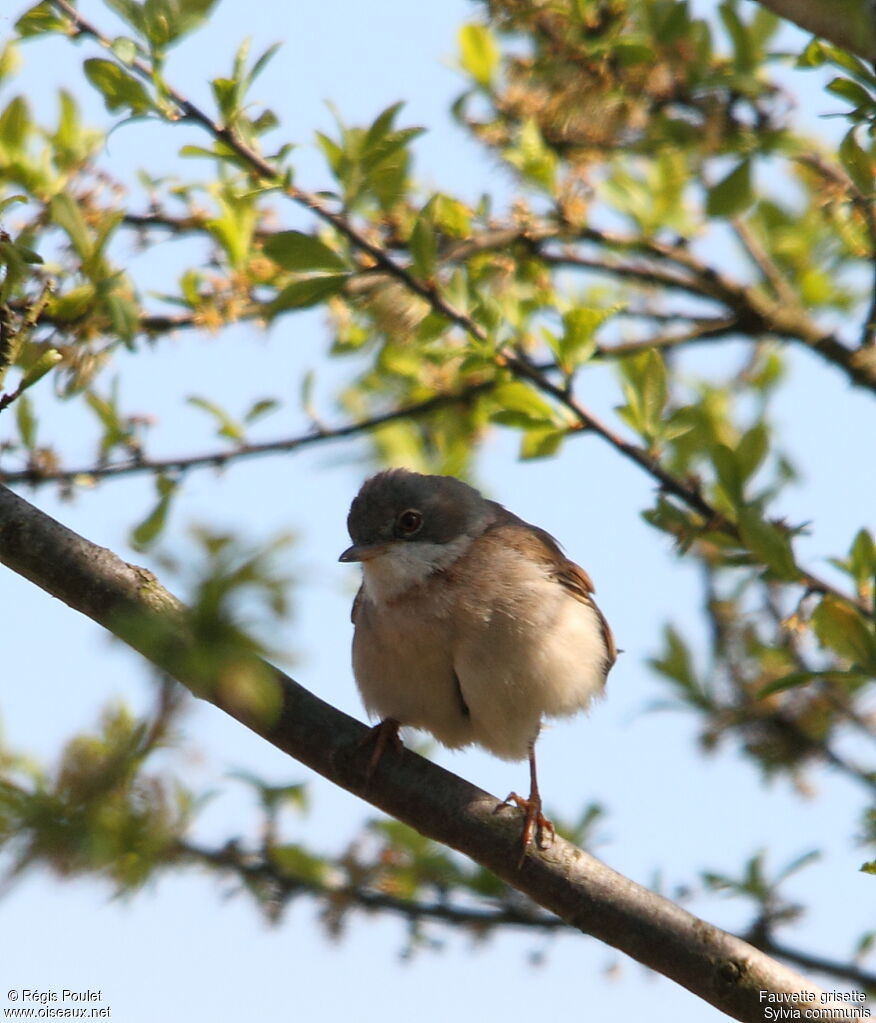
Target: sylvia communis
470	623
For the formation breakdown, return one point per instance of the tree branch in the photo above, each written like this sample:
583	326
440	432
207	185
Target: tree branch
707	329
588	895
753	312
218	459
833	967
251	867
256	867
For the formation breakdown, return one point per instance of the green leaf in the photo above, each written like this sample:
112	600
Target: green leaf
263	62
729	473
862	557
120	89
860	563
196	151
812	56
752	450
800	678
733	194
333	153
300	252
380	142
228	426
843	58
655	391
857	162
851	91
73	304
39	20
451	216
307	292
144	534
10	199
44	364
519	404
190	14
161	23
676	664
26	255
116	431
541	441
260	409
297	864
578	341
423	244
381	125
630	54
531	156
16	269
389	146
125	49
768	543
479	54
124	316
226	92
646	390
67	215
26	422
130	11
869	868
15	124
841	628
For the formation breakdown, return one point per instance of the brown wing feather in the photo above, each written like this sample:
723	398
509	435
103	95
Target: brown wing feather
539	545
579	584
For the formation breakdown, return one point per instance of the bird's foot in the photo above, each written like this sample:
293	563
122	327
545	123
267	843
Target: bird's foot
534	823
383	734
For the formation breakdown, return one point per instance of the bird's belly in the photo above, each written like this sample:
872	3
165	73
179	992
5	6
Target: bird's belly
475	671
403	663
544	659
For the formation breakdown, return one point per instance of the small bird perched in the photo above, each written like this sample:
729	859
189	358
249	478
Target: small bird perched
470	623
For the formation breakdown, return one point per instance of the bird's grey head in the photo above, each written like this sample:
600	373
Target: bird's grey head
399	507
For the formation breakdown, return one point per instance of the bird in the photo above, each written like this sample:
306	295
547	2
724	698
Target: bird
470	624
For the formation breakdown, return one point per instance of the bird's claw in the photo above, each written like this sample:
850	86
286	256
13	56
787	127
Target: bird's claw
534	823
383	734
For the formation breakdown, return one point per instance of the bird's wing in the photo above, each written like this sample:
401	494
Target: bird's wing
538	545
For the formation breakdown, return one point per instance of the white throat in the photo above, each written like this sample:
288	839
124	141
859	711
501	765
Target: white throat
406	565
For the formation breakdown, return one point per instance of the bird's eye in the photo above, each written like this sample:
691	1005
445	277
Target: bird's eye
409	522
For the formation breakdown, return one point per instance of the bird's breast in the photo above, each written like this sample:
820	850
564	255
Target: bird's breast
408	566
477	651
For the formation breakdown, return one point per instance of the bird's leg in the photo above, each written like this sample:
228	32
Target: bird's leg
534	820
383	734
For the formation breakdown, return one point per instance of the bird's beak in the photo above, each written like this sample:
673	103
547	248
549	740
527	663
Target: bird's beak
363	552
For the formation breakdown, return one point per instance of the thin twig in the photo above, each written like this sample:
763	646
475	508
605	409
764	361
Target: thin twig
762	260
820	964
707	329
646	274
258	867
253	868
218	459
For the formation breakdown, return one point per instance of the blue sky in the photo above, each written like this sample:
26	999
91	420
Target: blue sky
181	949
